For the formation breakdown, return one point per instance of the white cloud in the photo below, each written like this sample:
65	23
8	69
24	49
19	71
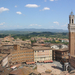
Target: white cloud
32	6
46	8
19	12
56	22
51	0
34	25
15	6
3	9
2	23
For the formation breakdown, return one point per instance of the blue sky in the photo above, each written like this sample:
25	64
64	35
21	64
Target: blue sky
47	14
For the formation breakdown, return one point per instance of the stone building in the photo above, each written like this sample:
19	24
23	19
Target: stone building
42	53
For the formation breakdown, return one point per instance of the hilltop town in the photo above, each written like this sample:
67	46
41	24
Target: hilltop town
31	55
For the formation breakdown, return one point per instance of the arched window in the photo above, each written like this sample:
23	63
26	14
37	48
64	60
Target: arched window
72	20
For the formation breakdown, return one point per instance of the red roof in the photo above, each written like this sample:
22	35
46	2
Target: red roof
30	62
17	65
42	44
48	61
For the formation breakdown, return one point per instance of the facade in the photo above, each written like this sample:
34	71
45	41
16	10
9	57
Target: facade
72	62
64	40
42	54
71	28
61	55
21	54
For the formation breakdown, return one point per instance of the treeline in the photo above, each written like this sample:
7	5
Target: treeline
37	34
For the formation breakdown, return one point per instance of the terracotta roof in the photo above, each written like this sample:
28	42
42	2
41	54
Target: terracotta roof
24	71
4	71
6	47
65	49
48	61
2	56
37	44
30	62
41	48
56	44
17	65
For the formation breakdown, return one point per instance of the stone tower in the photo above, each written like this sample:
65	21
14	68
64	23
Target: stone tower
71	28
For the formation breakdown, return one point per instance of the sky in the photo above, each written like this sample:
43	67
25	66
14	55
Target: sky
45	14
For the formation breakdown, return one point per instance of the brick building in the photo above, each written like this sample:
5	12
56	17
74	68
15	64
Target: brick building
61	55
71	28
21	54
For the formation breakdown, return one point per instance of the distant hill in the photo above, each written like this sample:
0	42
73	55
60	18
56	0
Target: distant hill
27	31
41	30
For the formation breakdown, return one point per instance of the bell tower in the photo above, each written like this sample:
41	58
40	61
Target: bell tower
71	28
71	19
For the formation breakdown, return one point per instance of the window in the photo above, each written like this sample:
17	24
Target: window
72	21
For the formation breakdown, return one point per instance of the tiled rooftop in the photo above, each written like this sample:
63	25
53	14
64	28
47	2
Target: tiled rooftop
41	48
2	56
